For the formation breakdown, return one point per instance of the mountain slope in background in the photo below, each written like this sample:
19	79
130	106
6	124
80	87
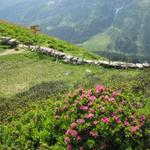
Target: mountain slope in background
99	25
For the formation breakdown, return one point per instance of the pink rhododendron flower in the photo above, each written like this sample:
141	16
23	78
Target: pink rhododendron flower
65	107
126	123
123	102
119	121
67	140
142	118
73	125
94	134
80	148
92	110
81	121
89	93
69	147
89	116
74	133
134	129
95	123
115	93
83	96
111	99
102	109
90	104
92	98
116	118
65	101
132	117
142	124
99	89
84	108
102	97
68	132
106	97
76	102
79	138
57	117
105	120
114	113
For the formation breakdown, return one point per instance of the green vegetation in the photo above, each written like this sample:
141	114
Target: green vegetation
33	88
43	125
3	48
25	36
98	42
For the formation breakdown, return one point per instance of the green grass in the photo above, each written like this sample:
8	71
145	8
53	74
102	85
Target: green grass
26	73
19	72
3	48
22	71
98	42
32	85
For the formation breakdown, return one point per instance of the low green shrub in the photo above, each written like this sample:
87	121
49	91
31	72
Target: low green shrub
98	118
101	119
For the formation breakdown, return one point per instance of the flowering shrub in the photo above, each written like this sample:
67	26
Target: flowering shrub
100	119
92	119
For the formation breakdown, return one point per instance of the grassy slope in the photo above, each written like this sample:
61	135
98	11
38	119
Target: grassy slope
22	76
21	71
25	35
22	88
98	42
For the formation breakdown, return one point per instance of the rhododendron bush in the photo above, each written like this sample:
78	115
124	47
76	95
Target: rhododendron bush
91	119
100	119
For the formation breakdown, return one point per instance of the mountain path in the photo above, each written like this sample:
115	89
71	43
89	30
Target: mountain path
10	52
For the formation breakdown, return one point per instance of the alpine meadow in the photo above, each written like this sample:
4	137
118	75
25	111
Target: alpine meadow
75	75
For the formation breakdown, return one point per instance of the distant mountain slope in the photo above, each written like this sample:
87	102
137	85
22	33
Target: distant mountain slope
74	21
125	23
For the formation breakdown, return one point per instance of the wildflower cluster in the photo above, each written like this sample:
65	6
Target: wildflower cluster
100	118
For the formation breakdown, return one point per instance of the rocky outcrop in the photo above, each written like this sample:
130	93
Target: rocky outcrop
8	41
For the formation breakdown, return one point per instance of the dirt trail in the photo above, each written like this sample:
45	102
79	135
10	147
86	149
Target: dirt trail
10	52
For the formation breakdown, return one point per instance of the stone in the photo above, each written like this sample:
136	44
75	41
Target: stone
88	62
79	61
138	65
146	65
131	65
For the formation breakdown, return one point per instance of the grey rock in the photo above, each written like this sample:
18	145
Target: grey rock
138	65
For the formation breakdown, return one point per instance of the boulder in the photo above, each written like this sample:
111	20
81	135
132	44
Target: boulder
131	65
80	61
146	65
8	41
138	65
90	62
